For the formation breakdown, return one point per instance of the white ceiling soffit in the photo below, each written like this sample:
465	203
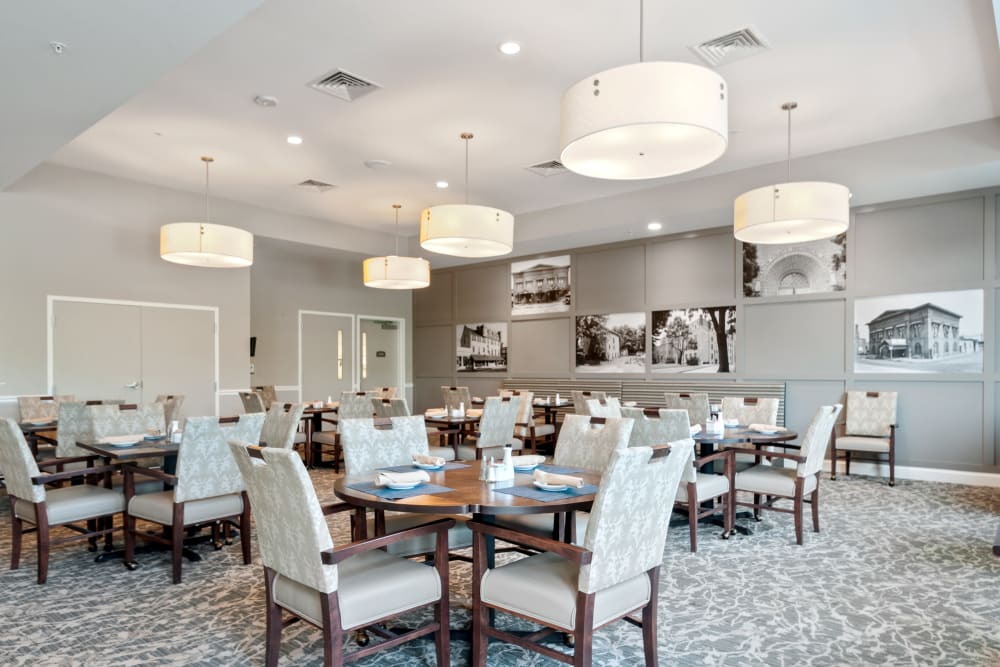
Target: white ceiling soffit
111	49
861	71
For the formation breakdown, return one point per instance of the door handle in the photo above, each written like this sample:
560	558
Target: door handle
133	385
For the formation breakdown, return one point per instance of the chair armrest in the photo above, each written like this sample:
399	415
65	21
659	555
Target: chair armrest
132	469
771	455
571	552
48	463
334	556
69	474
333	508
722	454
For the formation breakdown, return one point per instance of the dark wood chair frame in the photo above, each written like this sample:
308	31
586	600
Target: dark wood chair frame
582	635
333	631
866	456
96	526
697	511
798	499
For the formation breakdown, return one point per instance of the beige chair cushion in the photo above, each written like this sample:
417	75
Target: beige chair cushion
858	443
541	430
459	536
772	481
447	453
325	437
541	525
372	585
159	507
545	587
74	503
707	486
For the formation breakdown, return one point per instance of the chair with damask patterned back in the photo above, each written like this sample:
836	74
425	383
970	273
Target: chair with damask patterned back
495	429
580	399
252	402
171	406
527	429
577	589
207	489
382	392
38	408
353	405
696	405
268	394
454	397
870	429
604	407
281	425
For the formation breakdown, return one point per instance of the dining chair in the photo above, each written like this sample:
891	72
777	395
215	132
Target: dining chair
748	410
67	506
40	407
382	392
604	407
171	406
390	407
353	405
75	425
527	428
696	405
870	429
453	397
207	489
268	394
371	444
578	589
281	425
580	399
495	429
336	589
252	402
771	482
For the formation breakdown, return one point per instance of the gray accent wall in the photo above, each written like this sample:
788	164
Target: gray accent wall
948	242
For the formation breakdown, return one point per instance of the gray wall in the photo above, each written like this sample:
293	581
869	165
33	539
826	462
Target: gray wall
950	242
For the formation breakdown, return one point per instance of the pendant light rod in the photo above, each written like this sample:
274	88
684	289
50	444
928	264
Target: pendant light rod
641	12
466	136
397	207
207	160
788	106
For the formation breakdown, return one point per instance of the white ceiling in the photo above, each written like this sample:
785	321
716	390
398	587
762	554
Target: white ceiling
862	72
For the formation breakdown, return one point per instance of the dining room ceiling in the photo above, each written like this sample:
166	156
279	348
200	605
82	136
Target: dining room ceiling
862	72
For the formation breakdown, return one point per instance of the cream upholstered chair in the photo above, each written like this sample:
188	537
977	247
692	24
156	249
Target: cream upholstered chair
527	429
604	407
252	402
341	589
353	405
75	425
870	429
454	396
171	406
281	425
390	407
111	420
382	392
495	429
750	410
577	589
45	508
370	445
580	399
268	394
792	483
696	405
37	408
670	425
207	488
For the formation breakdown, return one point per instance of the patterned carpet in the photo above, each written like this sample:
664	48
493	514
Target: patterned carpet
899	576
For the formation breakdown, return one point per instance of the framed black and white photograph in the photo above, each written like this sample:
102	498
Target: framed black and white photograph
796	268
540	286
929	332
694	340
613	343
481	347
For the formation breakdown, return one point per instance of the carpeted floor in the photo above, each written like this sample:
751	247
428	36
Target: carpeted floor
901	576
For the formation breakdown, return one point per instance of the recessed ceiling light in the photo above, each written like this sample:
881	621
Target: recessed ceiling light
442	184
654	226
510	48
294	140
265	101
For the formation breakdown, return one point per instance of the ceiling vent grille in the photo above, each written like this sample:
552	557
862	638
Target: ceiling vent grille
343	85
549	168
731	47
317	186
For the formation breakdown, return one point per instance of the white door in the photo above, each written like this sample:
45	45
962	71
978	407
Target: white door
178	357
326	354
380	351
96	351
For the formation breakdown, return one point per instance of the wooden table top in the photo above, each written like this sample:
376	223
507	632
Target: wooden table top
742	434
145	449
469	495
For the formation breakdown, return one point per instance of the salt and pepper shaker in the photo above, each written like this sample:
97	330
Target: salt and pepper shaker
508	462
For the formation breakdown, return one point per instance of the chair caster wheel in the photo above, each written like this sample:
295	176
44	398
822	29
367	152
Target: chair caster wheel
569	640
726	534
131	566
361	638
892	484
757	519
217	545
229	541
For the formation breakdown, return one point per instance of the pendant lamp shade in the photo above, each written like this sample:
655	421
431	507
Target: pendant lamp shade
791	212
467	230
206	245
645	120
394	272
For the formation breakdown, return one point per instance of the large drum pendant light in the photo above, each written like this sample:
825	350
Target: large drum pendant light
467	230
204	244
395	272
645	120
791	212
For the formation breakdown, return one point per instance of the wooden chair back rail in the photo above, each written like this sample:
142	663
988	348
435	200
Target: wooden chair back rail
229	420
872	394
128	406
598	420
750	400
382	423
386	401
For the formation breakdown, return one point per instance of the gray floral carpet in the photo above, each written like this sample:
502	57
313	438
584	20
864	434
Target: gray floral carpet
899	576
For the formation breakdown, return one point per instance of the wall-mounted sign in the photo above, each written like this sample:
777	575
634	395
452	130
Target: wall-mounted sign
380	353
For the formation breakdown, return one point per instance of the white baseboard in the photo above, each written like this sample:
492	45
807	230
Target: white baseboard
921	474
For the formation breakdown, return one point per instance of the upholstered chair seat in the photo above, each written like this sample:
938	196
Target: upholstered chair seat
73	503
706	487
772	481
858	443
159	507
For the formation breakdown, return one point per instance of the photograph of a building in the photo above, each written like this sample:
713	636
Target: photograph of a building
694	340
798	268
481	347
613	343
540	286
936	332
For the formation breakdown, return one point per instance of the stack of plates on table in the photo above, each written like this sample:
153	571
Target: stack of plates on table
765	429
122	440
550	487
436	413
40	422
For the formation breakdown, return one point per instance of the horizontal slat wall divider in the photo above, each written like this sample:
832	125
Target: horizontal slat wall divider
549	387
650	394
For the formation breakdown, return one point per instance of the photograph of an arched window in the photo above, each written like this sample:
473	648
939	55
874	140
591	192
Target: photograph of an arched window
796	268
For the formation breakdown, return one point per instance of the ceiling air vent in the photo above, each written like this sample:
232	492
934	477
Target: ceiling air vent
732	46
318	186
343	85
550	168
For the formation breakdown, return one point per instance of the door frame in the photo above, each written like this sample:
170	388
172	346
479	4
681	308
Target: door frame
400	346
51	299
355	369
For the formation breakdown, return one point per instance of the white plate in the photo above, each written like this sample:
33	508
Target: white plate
403	487
123	440
40	422
424	466
124	444
767	432
525	468
550	487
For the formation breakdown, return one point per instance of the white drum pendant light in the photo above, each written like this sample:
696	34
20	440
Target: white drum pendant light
791	212
204	244
467	230
395	272
644	120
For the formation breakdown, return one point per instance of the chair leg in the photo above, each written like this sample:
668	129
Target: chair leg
692	507
16	530
128	527
272	644
42	537
583	635
333	632
892	466
649	619
798	510
847	463
92	526
815	508
177	541
833	462
245	530
756	506
480	615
